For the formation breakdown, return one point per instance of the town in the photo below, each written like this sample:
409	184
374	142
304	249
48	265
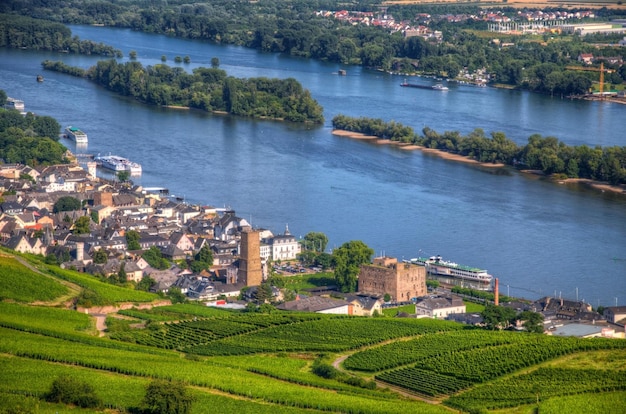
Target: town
142	236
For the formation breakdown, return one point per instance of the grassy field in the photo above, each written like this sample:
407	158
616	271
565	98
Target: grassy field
263	363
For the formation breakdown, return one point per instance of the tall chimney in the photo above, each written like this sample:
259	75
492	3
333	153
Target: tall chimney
496	293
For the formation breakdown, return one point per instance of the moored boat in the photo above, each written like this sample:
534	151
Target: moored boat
13	103
436	266
117	164
76	135
437	87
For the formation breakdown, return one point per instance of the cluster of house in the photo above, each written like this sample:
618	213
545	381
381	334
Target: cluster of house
29	223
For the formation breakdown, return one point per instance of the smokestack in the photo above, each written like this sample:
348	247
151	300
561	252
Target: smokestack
496	293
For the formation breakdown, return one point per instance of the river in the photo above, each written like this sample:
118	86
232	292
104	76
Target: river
537	237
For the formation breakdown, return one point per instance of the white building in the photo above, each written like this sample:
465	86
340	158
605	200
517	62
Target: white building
439	308
283	247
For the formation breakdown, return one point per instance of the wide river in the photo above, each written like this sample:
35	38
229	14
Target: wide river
537	237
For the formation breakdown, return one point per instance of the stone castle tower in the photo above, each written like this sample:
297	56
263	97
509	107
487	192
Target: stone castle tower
250	271
403	281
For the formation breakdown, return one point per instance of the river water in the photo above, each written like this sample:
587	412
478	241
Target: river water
537	237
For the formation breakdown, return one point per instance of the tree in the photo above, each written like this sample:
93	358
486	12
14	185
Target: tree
81	226
122	277
123	176
132	240
533	321
176	295
132	55
67	203
324	260
100	257
316	241
215	62
167	397
348	258
69	390
497	317
145	284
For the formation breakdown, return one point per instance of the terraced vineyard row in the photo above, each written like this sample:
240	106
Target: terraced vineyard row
541	384
477	365
424	382
325	335
408	352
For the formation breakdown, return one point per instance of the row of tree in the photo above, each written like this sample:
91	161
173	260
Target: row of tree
28	33
209	89
295	28
546	154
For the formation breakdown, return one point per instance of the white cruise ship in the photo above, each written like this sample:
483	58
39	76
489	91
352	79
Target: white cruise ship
76	135
117	164
13	103
435	265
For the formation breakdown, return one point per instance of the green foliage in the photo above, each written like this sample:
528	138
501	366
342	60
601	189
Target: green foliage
19	283
348	258
545	154
68	390
145	283
37	33
203	260
81	225
497	317
208	89
175	295
533	321
123	176
100	256
104	292
132	240
155	258
315	241
67	203
167	397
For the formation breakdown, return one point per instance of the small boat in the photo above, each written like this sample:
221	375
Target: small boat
39	78
440	87
342	72
76	135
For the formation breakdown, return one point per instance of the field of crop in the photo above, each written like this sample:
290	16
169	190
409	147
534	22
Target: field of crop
21	284
262	363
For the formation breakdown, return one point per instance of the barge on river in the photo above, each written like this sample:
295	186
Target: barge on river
454	273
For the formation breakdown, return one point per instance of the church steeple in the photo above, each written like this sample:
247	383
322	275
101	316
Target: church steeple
287	230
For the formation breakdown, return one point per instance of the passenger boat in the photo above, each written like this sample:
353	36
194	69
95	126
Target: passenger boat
117	164
436	266
13	103
76	135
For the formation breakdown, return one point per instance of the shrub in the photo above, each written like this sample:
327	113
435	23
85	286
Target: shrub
68	390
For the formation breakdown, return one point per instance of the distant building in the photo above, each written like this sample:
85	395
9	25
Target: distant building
402	281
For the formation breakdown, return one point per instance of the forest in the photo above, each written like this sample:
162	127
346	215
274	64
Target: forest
208	89
537	63
29	139
546	154
28	33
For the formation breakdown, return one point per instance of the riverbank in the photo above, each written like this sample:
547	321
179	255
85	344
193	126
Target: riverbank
412	147
598	185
